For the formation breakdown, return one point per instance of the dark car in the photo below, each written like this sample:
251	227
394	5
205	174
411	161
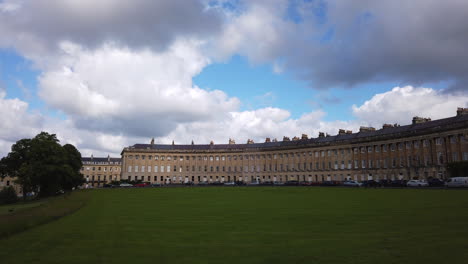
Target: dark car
385	183
328	183
107	185
291	183
305	183
398	183
266	183
370	183
434	182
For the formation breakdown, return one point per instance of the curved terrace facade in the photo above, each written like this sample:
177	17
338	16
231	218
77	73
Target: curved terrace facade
420	150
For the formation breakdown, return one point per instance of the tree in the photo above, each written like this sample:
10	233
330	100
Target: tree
74	163
8	195
15	164
41	164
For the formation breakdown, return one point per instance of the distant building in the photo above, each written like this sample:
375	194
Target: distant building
420	150
8	181
98	171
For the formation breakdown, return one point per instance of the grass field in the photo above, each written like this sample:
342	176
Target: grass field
22	216
253	225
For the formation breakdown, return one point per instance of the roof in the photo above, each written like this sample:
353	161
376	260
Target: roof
428	127
100	159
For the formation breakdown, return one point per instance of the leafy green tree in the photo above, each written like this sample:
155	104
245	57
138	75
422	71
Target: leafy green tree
41	164
74	177
8	195
16	163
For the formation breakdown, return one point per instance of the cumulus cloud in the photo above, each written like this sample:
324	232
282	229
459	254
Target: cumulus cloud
16	120
141	93
401	104
136	23
345	43
121	71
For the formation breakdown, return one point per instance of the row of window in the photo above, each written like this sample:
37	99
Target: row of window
101	163
322	153
99	168
379	163
280	178
98	177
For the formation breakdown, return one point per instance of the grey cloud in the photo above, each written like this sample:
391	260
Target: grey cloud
136	23
414	42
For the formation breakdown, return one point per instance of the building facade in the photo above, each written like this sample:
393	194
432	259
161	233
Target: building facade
420	150
98	171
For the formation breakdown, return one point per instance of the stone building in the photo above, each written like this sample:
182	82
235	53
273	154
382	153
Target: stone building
98	171
419	150
9	181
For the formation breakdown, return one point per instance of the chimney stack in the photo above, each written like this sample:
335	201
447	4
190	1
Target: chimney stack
462	111
341	132
419	120
304	136
321	134
366	129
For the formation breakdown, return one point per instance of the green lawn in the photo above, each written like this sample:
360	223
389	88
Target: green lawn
253	225
12	208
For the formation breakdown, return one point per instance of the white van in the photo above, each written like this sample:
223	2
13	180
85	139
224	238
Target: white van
457	182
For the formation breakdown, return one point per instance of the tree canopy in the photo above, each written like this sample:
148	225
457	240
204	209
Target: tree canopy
41	164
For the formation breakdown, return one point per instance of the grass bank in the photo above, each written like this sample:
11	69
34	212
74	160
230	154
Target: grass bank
21	216
253	225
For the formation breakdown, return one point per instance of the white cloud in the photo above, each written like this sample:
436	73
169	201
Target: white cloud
15	119
122	72
118	90
401	104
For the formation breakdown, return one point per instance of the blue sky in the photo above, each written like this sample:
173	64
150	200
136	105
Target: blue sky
109	74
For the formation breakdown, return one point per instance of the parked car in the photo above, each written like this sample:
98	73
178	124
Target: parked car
328	183
278	183
108	185
142	184
229	183
125	185
385	183
370	183
253	183
292	183
435	182
305	183
417	183
457	182
352	183
266	183
398	183
156	185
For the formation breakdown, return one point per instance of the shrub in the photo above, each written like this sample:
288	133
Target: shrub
8	195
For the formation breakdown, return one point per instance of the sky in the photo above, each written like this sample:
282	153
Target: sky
103	75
